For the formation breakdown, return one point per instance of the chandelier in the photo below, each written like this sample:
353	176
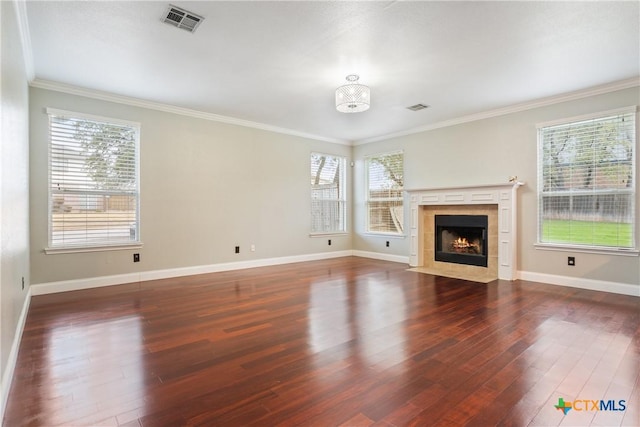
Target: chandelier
353	97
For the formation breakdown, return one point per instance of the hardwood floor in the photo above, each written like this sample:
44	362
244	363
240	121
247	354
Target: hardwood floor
341	342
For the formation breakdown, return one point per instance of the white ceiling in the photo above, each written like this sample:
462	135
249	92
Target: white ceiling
279	63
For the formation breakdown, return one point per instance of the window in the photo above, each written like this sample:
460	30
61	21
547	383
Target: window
385	185
586	181
93	181
328	210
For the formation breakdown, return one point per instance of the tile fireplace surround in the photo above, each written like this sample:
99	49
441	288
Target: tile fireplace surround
498	202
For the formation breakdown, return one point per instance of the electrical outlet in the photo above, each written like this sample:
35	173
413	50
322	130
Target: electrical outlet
387	244
237	249
136	257
329	242
571	261
23	283
253	248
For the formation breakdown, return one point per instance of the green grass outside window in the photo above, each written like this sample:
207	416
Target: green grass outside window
592	233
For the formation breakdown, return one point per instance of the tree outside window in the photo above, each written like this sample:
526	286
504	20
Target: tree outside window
93	177
385	193
586	182
328	198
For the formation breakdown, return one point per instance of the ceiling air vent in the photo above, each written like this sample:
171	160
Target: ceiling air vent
182	18
417	107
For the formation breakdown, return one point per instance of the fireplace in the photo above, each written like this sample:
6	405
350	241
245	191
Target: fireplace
461	239
497	201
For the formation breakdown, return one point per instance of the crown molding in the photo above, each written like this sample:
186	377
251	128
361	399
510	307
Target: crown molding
136	102
25	38
530	105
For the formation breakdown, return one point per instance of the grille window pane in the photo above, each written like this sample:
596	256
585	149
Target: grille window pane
93	181
328	199
586	183
385	193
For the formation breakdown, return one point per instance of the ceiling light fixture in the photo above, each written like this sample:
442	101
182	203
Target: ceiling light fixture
353	97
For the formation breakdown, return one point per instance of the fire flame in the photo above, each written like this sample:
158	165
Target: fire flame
461	242
462	245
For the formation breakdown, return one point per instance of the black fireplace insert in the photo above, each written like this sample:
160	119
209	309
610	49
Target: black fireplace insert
461	239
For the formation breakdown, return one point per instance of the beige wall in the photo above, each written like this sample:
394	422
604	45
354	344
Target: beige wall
206	187
488	152
14	187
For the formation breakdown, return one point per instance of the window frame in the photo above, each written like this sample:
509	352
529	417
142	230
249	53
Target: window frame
369	200
577	247
94	246
341	201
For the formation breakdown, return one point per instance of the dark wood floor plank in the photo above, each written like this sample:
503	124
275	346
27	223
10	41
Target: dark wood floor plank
346	342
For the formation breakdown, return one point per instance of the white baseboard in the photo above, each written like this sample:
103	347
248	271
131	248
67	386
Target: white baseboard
381	256
239	265
121	279
78	284
577	282
7	375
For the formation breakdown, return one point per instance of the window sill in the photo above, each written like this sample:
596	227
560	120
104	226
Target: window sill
79	249
587	249
388	235
329	233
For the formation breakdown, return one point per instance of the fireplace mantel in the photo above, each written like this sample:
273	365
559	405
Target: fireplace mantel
502	195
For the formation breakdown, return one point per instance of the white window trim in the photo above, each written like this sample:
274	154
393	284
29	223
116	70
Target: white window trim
586	249
383	234
590	116
79	249
566	247
368	200
73	115
344	200
52	250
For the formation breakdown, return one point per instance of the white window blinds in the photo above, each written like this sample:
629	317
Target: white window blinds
385	186
586	181
328	199
93	181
